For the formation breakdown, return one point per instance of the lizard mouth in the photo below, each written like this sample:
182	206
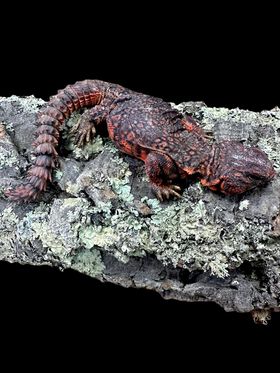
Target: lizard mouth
262	179
272	174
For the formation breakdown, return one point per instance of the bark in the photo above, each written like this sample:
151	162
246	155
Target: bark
100	217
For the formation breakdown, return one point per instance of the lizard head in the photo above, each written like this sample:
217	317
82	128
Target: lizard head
239	168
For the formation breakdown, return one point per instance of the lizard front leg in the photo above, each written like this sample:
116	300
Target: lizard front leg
161	171
84	130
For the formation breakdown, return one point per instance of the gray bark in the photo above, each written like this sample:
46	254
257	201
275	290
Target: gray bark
100	217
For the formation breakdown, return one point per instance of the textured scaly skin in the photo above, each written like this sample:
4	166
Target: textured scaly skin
171	145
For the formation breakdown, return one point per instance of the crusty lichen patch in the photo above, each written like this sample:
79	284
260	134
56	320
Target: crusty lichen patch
8	222
57	229
185	234
88	262
27	104
8	152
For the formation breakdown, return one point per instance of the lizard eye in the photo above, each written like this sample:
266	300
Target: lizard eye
255	177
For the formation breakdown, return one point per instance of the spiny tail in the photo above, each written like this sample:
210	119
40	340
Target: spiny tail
50	119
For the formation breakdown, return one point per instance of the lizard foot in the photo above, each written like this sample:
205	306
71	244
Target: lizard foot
83	131
166	191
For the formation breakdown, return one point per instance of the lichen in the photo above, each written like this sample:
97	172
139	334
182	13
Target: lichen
247	125
8	158
88	262
59	228
120	183
92	236
183	233
251	123
8	222
28	104
43	224
88	150
243	205
8	153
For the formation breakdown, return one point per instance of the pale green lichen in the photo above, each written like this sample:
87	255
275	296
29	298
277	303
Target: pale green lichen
272	147
250	122
184	233
88	262
59	236
73	188
28	104
8	153
8	222
118	182
9	126
2	190
103	237
121	184
89	150
8	158
247	124
57	228
57	175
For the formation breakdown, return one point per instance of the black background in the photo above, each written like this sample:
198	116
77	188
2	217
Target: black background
177	55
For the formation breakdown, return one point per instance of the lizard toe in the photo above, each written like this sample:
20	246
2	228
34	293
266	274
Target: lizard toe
165	192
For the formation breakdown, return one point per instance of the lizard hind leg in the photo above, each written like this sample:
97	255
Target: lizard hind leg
84	130
161	171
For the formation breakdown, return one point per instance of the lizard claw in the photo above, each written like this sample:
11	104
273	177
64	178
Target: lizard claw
166	191
83	132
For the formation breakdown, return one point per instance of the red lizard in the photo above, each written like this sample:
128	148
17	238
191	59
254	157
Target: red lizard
172	146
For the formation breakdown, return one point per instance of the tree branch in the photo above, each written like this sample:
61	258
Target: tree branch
100	217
